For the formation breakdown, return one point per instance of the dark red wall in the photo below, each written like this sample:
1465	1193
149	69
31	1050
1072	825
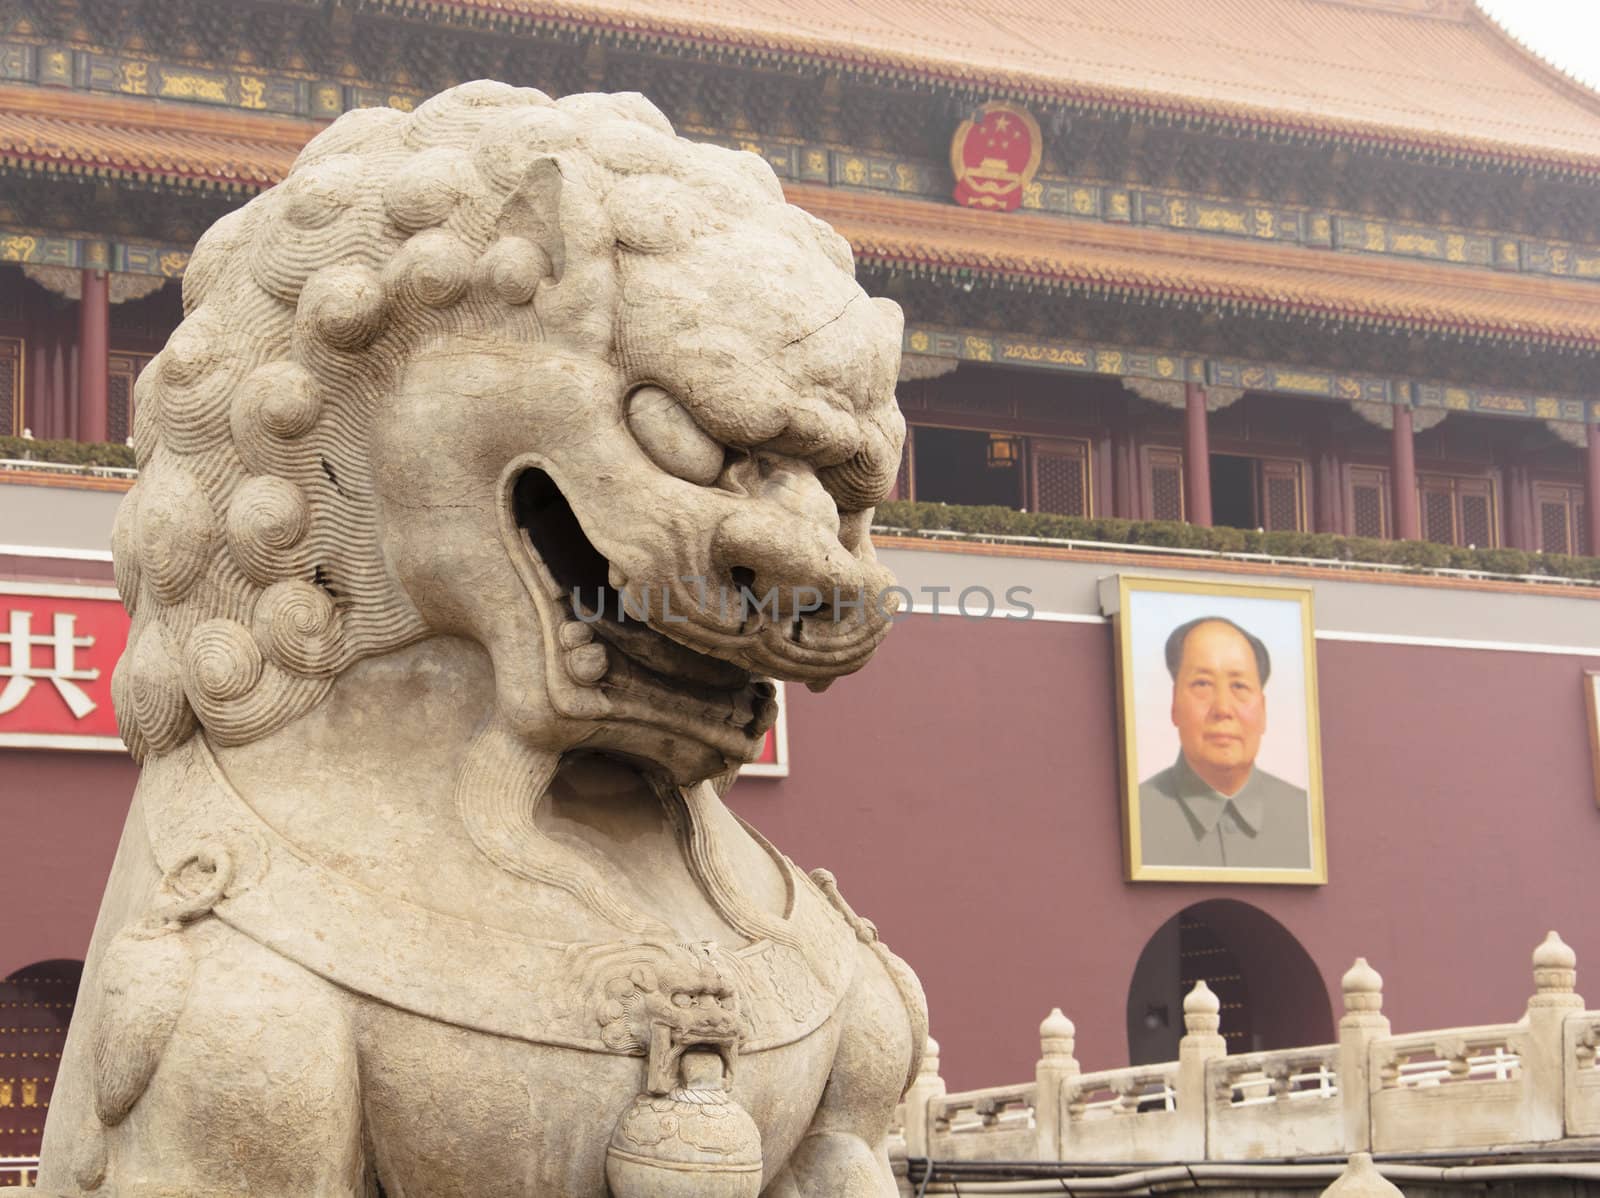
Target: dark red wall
61	815
963	788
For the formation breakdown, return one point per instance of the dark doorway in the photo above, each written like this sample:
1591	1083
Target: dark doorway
953	466
1233	491
1272	993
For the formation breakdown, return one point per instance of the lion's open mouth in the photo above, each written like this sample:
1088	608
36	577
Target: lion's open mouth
606	645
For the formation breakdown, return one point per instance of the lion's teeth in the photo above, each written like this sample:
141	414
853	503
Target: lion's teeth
587	663
818	687
617	579
574	633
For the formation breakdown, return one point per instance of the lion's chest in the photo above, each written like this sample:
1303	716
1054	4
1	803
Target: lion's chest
455	1112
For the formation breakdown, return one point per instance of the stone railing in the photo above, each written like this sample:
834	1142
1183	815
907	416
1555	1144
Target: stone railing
1532	1082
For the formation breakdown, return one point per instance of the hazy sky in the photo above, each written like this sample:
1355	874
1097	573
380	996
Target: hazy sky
1567	32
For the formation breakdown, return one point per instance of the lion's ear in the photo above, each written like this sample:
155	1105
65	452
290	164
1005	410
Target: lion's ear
533	211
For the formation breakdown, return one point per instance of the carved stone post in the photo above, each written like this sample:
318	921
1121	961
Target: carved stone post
94	348
1404	476
1555	977
1201	1043
1196	456
1057	1041
928	1086
1362	1023
1361	1179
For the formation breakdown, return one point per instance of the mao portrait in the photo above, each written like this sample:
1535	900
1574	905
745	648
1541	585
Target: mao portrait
1221	763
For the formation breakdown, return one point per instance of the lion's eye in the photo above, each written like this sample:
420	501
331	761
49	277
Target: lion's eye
670	436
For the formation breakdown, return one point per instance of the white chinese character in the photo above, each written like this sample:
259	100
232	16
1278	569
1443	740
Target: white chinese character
62	673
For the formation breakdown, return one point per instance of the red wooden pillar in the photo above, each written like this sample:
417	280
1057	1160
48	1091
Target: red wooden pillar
1196	456
1124	475
1404	476
1591	493
94	349
1520	520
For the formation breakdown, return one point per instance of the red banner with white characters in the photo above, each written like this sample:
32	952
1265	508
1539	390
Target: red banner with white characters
58	646
774	759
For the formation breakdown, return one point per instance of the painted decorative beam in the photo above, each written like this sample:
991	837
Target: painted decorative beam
1129	363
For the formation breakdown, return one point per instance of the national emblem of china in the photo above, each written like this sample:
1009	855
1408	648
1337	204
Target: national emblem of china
994	155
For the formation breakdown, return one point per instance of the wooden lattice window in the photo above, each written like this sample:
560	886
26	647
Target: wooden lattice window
1281	508
1059	473
1367	500
1561	518
11	355
123	369
1163	483
1458	511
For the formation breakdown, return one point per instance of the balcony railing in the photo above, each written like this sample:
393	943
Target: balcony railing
1532	1083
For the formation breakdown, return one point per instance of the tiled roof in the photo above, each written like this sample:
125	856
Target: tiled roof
150	140
72	133
1103	259
1420	74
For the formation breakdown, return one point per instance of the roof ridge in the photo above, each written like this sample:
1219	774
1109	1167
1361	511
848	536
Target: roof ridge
1442	10
1553	122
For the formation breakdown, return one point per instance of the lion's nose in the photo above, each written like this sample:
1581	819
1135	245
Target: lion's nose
784	567
778	554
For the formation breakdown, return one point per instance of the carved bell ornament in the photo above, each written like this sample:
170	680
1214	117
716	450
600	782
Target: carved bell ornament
693	1142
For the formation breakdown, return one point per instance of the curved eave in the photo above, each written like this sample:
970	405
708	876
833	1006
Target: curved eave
144	141
1199	271
889	65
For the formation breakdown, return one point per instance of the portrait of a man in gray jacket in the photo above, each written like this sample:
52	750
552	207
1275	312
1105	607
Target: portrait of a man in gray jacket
1213	807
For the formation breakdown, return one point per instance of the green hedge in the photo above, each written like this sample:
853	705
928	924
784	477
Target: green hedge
1002	521
71	453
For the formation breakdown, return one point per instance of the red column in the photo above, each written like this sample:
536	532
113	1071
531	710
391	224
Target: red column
1519	507
1591	497
94	348
1124	478
1196	456
1404	476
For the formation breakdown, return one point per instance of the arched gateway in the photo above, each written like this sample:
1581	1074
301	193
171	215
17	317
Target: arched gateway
1272	994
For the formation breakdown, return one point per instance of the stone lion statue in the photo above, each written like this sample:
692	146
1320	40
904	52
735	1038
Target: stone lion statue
479	435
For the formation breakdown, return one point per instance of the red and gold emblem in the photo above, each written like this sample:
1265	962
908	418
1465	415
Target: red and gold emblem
994	155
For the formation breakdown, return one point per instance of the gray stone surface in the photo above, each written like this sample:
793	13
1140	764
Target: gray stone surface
428	882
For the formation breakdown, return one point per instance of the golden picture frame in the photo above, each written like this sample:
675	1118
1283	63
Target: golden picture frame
1212	789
